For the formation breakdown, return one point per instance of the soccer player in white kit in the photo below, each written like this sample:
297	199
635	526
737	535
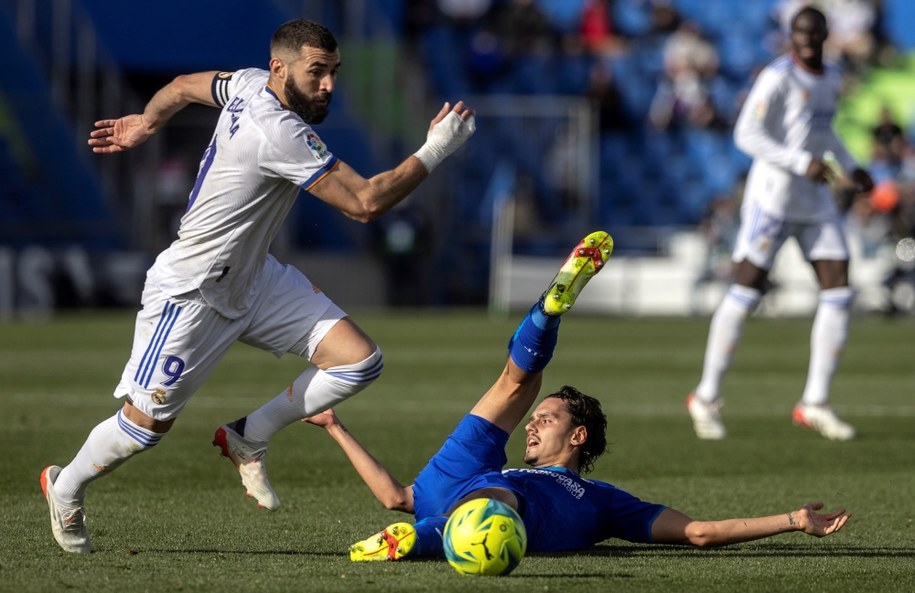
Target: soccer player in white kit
217	284
786	126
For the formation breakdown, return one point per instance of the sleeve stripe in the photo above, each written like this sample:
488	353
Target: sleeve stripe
321	174
220	88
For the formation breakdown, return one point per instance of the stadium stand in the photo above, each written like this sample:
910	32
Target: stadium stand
644	180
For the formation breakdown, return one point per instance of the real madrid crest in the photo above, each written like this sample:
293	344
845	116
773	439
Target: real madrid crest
159	396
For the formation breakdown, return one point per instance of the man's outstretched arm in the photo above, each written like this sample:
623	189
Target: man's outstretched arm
117	135
386	488
364	200
673	527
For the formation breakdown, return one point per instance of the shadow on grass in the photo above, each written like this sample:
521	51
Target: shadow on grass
767	551
336	554
217	552
661	551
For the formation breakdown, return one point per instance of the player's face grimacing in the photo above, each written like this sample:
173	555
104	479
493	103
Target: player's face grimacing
310	82
552	439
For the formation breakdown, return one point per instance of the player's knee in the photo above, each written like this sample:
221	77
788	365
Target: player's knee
361	374
133	438
840	297
744	297
144	421
749	275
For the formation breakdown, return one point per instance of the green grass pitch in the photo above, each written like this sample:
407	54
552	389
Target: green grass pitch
175	519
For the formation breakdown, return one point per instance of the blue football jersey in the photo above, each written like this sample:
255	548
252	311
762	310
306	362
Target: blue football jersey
563	511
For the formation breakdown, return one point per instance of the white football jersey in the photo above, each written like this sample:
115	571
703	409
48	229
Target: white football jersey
260	157
785	122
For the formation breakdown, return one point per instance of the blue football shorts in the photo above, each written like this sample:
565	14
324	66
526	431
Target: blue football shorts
471	458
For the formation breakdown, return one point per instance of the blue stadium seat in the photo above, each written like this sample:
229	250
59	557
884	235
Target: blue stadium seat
564	15
654	201
636	87
613	148
724	95
720	174
443	64
660	147
532	75
738	50
631	17
573	74
694	199
739	159
700	144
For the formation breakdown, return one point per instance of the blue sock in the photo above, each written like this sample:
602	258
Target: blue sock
429	537
534	341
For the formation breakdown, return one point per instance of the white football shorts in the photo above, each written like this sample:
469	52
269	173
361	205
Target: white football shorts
761	235
178	340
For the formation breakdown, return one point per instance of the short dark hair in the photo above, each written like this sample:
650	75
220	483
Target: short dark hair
809	11
293	35
586	411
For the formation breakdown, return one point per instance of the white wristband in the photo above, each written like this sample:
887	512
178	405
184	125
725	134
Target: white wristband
430	155
444	138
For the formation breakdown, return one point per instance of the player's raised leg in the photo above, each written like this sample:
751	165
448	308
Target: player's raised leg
510	397
531	347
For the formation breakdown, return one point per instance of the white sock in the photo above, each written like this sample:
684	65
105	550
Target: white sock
724	335
313	391
827	341
110	444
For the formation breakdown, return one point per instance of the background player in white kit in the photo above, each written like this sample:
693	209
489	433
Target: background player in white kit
217	284
786	126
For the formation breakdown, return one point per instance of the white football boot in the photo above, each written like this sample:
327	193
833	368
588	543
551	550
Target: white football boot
823	419
249	461
68	521
706	418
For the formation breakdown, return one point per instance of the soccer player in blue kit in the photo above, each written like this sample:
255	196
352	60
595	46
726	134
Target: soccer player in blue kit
565	435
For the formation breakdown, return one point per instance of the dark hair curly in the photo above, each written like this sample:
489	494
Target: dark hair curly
293	35
586	411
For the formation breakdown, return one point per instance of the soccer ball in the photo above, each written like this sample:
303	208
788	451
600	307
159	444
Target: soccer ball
484	537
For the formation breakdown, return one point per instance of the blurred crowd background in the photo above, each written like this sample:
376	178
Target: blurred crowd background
611	114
